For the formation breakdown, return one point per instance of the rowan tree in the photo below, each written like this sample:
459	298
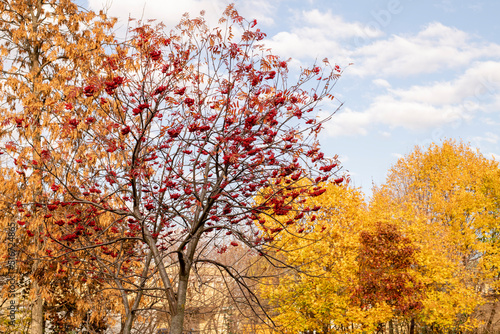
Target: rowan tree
444	199
173	139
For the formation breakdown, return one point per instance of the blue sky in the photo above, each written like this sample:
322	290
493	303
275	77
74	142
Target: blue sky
423	70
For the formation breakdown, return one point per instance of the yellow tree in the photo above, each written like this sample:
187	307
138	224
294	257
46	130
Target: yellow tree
46	47
324	245
445	199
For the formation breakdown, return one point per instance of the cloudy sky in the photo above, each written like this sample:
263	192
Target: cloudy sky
422	70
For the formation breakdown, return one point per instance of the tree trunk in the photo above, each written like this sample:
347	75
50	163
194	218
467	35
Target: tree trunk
177	322
391	327
412	326
127	326
37	325
37	322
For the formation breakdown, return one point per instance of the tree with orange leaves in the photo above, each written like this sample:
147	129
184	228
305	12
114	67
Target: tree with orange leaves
387	274
46	47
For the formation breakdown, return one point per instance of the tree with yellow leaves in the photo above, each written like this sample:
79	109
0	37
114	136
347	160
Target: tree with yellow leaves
324	246
445	199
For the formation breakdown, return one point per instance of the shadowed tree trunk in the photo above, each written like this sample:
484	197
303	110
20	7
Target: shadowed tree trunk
412	326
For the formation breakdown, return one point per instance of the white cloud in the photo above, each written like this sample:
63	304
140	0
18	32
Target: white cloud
299	47
382	83
488	137
393	112
348	123
318	35
412	115
426	106
336	27
435	48
478	83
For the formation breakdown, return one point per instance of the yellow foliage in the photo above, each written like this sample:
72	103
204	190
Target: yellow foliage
445	199
318	295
